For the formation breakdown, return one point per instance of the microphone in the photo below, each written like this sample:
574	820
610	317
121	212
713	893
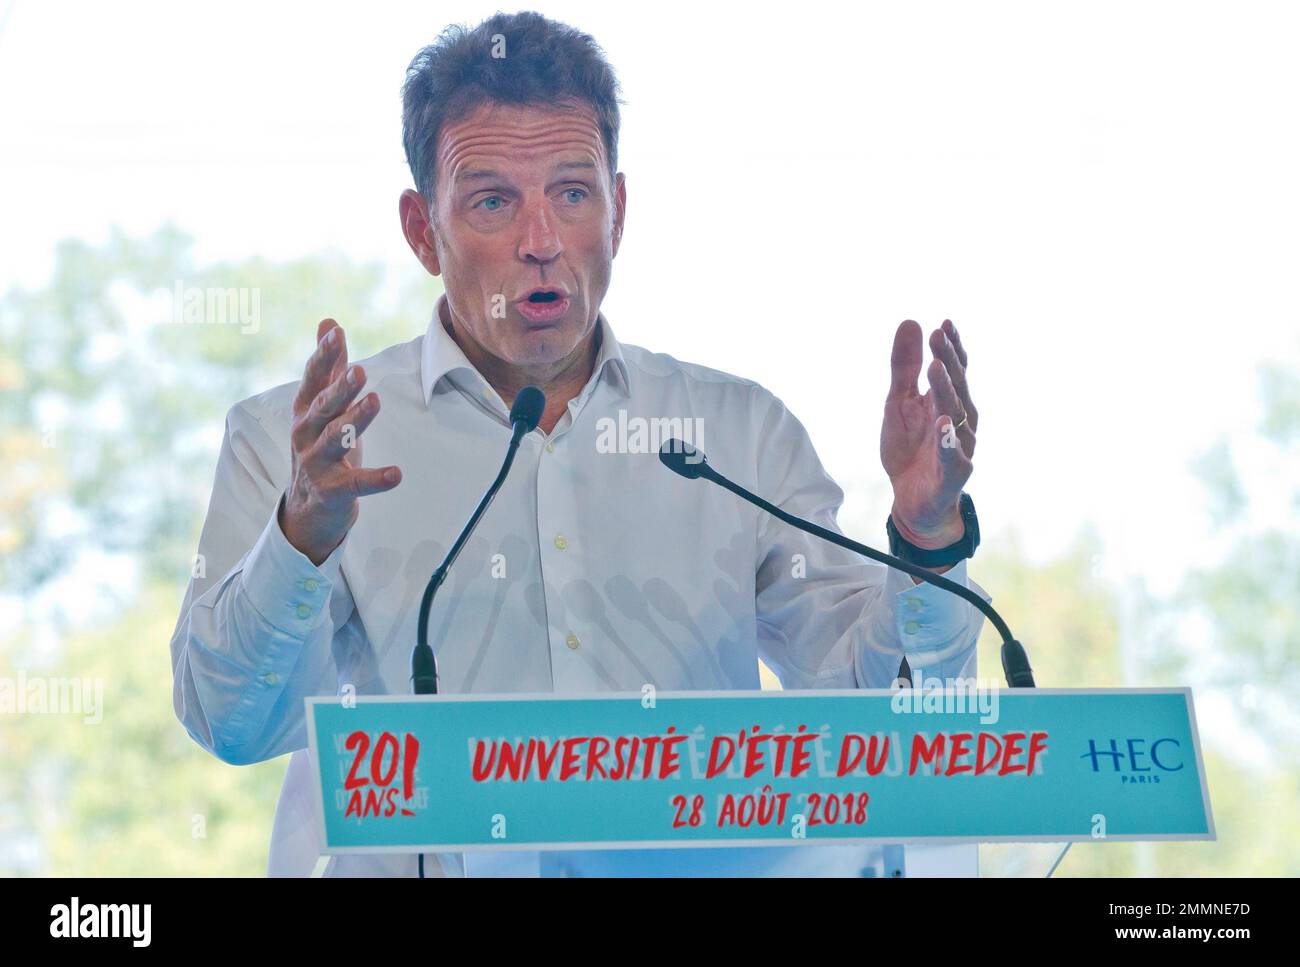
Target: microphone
684	460
525	414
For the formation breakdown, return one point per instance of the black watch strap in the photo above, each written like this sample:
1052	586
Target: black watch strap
939	556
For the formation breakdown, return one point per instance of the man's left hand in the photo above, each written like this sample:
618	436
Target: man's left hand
927	442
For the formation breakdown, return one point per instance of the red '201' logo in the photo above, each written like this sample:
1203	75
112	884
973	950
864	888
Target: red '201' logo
381	798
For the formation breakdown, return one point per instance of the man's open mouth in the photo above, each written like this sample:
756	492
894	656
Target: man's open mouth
544	306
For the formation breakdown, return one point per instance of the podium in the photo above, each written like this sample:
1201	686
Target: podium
842	783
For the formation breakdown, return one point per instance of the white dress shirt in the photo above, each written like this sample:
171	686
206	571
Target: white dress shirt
592	571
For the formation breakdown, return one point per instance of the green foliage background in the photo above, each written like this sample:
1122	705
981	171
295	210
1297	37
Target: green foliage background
112	417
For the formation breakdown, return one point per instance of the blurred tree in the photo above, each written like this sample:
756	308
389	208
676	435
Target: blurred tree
1248	599
132	794
1063	611
112	390
1245	604
113	399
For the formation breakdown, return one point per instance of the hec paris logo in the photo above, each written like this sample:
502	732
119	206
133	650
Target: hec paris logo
1134	761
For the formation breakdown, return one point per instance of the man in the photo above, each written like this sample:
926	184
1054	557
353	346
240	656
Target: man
594	570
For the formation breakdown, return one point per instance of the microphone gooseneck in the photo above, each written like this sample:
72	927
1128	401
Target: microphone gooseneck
683	459
525	414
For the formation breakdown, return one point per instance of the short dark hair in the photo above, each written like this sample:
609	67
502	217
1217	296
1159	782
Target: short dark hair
545	62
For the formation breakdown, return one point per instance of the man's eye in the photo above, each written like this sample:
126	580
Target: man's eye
574	195
492	203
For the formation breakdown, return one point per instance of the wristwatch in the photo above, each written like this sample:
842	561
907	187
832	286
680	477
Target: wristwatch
939	556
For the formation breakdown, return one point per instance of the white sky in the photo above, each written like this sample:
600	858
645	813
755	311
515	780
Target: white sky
1102	196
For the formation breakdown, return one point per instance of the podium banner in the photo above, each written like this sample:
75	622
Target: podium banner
680	769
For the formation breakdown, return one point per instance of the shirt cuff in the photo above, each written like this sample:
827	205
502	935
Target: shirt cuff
932	623
285	587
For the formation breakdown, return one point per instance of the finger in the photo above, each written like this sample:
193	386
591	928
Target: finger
330	402
947	404
905	360
955	461
341	353
951	329
341	435
946	352
364	481
943	393
316	374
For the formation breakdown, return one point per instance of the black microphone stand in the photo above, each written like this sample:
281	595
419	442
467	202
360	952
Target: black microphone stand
685	460
525	414
424	669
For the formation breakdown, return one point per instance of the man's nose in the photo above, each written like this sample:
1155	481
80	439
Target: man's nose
540	241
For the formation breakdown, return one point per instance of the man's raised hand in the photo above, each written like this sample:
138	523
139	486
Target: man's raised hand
927	441
326	476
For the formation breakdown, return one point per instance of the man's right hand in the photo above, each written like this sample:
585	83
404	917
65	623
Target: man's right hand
326	477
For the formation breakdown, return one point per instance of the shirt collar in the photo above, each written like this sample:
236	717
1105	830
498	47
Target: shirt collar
441	356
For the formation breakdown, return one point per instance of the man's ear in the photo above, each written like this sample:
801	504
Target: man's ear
419	230
620	209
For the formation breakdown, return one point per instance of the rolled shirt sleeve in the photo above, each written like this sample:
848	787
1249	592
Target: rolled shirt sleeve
829	618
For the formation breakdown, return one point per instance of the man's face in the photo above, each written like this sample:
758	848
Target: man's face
526	225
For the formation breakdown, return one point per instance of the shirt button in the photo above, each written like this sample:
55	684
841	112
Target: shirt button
915	604
270	678
304	611
911	628
311	584
550	448
560	541
573	642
